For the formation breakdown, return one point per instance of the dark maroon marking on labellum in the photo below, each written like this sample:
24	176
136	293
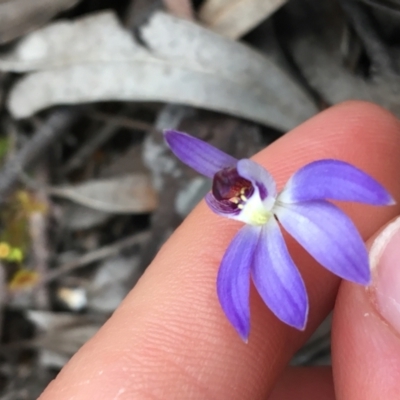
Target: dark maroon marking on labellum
228	186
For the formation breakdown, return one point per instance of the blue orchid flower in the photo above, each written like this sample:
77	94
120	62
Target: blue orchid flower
243	190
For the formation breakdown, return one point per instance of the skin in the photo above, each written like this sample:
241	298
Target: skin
169	339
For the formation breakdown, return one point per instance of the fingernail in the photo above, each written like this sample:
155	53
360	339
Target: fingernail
385	266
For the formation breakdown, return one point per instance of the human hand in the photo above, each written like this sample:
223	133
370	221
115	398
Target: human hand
170	340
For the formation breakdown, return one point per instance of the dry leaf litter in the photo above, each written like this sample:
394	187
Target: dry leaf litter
89	190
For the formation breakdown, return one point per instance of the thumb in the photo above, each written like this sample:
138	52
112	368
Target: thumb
366	327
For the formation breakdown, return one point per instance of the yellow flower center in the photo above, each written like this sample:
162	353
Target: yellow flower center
254	213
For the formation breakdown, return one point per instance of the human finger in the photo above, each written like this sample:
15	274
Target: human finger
304	383
366	336
170	339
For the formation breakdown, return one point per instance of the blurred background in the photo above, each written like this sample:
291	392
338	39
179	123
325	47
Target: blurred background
88	189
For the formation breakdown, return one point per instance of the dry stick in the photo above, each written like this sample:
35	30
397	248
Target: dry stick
38	222
101	137
3	295
104	134
95	255
374	46
124	122
51	129
88	148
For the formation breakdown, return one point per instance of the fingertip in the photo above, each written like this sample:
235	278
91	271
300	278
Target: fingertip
366	325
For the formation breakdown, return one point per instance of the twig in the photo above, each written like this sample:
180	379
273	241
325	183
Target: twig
3	295
123	122
101	137
95	255
374	46
39	240
52	129
88	148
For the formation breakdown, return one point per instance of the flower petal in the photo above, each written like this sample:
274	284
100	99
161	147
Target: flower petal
221	208
260	178
197	154
233	282
329	236
336	180
277	279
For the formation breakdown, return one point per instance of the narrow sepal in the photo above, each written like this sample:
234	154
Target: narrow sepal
197	154
329	236
277	279
233	282
336	180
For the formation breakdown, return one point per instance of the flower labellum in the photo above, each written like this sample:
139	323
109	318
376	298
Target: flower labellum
243	190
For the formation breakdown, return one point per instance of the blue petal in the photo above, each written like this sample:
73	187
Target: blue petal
336	180
329	236
197	154
277	279
233	282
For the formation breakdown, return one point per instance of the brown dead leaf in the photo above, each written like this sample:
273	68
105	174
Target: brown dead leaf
180	8
234	18
18	17
125	194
